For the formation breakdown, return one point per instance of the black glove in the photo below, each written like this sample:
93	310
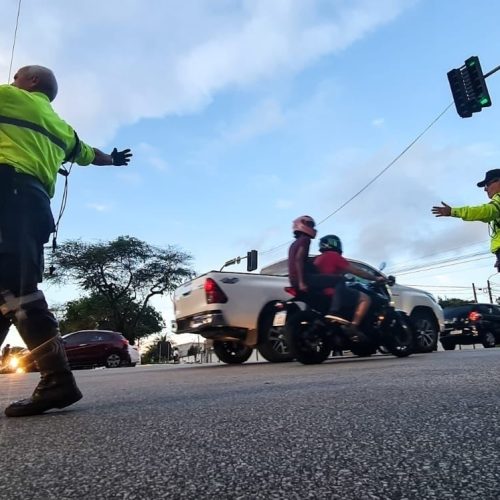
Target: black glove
120	158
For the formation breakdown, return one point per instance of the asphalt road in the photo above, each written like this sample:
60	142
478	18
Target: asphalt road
425	427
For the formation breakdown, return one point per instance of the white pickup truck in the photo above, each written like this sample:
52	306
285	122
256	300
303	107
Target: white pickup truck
237	311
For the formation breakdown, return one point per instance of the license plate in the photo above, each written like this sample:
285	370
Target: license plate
279	318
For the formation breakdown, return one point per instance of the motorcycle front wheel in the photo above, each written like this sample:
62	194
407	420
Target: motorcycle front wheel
306	338
399	335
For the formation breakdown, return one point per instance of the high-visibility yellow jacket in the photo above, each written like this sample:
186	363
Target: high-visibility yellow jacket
33	139
489	212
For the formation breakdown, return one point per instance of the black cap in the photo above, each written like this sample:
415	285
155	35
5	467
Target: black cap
490	175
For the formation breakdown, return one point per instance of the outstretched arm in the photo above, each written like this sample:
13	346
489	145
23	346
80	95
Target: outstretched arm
484	213
117	158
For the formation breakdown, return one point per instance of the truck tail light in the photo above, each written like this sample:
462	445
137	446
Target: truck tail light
291	290
213	292
474	316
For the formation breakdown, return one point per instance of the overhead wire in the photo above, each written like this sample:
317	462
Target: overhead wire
406	269
441	252
450	264
14	40
369	183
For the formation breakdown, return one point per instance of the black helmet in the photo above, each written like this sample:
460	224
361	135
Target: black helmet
330	242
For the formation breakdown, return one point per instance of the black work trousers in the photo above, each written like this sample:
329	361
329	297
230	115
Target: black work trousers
26	223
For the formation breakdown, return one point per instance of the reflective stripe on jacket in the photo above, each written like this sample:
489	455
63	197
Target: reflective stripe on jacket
489	212
33	139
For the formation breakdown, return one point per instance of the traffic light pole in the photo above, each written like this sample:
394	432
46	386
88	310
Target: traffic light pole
494	70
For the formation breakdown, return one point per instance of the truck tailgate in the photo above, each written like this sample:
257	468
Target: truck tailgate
190	298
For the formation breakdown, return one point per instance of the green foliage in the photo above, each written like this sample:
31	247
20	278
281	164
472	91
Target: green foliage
453	302
120	277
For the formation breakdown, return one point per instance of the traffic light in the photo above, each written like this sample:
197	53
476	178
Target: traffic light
478	84
468	87
459	93
252	260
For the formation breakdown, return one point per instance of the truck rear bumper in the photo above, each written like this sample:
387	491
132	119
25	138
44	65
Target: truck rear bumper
211	325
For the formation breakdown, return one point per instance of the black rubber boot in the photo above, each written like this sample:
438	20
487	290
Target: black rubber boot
4	328
57	387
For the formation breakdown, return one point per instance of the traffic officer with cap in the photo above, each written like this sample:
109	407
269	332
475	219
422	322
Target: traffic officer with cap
34	142
489	212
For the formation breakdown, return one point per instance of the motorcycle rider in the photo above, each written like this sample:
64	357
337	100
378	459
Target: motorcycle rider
301	271
331	262
303	274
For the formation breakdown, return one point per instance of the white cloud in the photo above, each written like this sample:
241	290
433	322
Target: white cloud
137	60
130	177
378	122
152	156
266	116
99	207
283	204
391	220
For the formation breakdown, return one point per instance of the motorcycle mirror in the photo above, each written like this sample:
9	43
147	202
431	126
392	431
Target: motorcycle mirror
382	266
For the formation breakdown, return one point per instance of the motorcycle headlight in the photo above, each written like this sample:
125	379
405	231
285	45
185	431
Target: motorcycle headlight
14	362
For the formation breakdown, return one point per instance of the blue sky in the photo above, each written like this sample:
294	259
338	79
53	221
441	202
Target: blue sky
243	115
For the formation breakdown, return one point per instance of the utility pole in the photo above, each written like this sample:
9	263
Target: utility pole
489	292
474	292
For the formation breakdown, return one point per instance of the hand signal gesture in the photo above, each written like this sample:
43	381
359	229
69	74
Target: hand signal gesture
444	211
120	158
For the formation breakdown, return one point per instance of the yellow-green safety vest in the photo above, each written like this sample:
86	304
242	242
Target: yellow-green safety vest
34	140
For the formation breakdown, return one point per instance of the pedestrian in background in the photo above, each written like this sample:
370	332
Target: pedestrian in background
34	142
489	212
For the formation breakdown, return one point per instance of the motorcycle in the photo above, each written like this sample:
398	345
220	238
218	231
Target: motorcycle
312	333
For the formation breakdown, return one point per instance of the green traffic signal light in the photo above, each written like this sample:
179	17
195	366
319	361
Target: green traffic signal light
468	87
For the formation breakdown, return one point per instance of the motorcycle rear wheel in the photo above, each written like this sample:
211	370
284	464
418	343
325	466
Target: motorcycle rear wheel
306	338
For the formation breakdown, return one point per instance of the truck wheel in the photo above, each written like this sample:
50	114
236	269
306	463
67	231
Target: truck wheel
232	352
272	341
488	340
426	331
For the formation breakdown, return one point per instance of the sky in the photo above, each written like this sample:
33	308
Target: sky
244	114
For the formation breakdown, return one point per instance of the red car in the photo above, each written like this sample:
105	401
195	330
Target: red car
98	348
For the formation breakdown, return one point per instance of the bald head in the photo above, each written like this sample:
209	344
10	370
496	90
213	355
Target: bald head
36	79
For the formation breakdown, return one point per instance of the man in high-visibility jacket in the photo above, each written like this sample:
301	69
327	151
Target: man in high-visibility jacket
489	212
34	142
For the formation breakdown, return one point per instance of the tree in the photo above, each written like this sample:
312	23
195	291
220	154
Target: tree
91	312
124	273
453	302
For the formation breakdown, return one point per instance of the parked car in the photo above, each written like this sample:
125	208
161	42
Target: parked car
99	348
135	356
471	324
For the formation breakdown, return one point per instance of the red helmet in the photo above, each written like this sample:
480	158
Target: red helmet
305	224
